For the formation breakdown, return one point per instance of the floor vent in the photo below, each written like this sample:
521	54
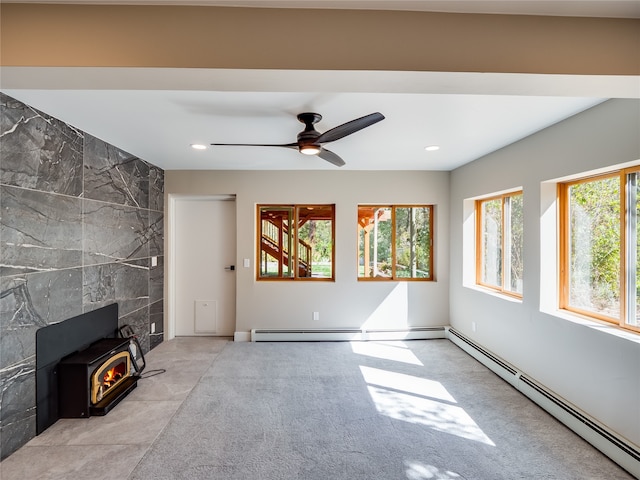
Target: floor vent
619	449
346	334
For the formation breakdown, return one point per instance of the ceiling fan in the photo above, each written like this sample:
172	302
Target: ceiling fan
310	141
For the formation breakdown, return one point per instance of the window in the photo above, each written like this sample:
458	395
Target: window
499	243
295	242
599	247
395	242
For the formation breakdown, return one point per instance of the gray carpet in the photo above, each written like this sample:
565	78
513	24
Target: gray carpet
373	410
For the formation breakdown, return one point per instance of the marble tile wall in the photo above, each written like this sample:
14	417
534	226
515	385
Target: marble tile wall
80	221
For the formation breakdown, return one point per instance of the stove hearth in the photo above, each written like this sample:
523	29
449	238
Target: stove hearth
84	366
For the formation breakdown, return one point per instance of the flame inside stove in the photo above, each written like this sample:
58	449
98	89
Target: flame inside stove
112	376
109	375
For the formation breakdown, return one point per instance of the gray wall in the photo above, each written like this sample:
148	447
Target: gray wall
347	302
591	364
79	222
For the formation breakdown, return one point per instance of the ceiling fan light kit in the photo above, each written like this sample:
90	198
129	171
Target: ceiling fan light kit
310	150
310	141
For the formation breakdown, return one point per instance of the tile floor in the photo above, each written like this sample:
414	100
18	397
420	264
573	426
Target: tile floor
110	447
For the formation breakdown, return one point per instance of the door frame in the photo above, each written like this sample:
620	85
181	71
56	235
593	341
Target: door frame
170	330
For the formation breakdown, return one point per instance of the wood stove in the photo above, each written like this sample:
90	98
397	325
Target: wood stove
94	380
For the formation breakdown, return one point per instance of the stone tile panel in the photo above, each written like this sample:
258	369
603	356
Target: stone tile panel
114	232
29	302
39	231
124	283
156	188
113	175
38	151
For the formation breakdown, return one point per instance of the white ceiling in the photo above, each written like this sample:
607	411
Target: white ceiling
156	114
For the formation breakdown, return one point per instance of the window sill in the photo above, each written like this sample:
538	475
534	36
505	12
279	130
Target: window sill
397	280
599	325
495	293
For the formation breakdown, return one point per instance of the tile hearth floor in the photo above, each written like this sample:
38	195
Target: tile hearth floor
110	447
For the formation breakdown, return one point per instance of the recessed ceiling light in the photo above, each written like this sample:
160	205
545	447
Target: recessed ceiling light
432	148
197	146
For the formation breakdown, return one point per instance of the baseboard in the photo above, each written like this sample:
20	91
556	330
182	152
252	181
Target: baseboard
345	334
242	336
620	450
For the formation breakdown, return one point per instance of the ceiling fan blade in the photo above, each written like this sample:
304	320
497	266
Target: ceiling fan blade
286	145
348	128
331	157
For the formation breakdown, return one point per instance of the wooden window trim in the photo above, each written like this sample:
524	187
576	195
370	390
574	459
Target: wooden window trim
563	249
479	235
294	265
394	278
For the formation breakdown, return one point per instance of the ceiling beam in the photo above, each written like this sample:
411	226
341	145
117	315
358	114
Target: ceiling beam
50	35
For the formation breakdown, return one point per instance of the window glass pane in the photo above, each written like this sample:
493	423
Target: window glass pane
594	246
413	242
315	241
374	252
276	242
491	242
633	275
296	241
515	243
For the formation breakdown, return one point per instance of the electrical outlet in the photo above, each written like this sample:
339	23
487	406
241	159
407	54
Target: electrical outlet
473	326
154	261
153	328
316	315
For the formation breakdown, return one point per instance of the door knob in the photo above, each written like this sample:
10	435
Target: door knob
230	267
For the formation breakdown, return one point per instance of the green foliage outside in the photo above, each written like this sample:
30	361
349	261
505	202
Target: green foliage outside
503	217
516	223
383	236
492	242
595	246
317	234
413	244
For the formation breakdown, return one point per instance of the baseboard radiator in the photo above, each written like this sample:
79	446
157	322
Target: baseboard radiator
620	450
347	335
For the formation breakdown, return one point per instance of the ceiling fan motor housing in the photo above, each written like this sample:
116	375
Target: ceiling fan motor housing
307	138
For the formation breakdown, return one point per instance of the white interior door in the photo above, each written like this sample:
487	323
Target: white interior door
204	250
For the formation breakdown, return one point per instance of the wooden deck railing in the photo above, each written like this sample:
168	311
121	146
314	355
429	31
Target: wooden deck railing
274	243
